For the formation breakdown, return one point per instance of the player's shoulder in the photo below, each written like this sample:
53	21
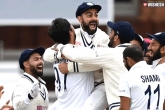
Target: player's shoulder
101	32
77	30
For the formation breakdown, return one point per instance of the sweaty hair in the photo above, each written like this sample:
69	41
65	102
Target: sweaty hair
59	30
134	52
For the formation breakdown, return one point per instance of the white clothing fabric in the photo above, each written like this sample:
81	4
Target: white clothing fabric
72	89
97	100
99	39
105	58
20	100
144	87
155	63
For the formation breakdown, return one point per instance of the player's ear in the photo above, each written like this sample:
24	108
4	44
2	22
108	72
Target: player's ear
26	64
128	60
162	50
79	19
116	37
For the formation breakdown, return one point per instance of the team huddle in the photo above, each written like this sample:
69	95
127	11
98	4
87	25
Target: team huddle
93	70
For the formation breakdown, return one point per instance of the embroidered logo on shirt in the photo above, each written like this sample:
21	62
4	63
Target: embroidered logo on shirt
42	107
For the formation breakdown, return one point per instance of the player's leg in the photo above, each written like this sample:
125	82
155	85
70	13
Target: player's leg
97	100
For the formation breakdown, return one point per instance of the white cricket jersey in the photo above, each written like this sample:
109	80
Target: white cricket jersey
98	39
160	69
155	63
72	89
105	58
144	87
20	99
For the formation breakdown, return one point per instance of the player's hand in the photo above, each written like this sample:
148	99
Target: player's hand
55	47
63	67
1	91
35	90
7	107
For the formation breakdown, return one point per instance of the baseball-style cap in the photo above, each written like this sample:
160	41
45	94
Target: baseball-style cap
139	38
85	6
124	30
160	37
27	53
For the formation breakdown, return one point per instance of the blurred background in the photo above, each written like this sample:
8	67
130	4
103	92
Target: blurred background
24	23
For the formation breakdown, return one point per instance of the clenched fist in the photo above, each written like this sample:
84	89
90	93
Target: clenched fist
63	67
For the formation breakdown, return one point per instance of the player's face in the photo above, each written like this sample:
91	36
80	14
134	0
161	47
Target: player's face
111	37
36	64
154	47
89	21
135	42
126	64
147	57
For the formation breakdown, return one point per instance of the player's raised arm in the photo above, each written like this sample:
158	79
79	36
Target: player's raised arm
51	55
76	67
99	56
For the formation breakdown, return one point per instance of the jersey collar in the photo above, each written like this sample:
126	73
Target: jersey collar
33	79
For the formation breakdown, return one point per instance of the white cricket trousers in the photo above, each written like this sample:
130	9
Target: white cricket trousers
97	100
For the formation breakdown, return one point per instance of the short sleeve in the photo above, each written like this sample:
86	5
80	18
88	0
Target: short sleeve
124	89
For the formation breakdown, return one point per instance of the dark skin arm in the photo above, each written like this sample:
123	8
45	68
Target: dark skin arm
164	105
124	103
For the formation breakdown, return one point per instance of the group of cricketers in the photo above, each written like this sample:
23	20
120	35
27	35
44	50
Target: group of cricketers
93	70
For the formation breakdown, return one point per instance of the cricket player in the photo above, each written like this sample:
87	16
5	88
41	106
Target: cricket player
105	58
88	35
30	92
125	34
157	50
138	40
72	89
141	88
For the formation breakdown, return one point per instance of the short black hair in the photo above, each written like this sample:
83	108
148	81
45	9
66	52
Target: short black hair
134	52
59	30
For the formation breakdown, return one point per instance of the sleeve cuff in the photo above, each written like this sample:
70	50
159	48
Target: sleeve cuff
70	67
57	55
73	67
59	47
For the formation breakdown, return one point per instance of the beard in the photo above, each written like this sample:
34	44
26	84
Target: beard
33	69
87	28
127	66
156	56
111	42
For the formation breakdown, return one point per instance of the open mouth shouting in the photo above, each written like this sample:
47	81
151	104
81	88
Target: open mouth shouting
39	68
92	25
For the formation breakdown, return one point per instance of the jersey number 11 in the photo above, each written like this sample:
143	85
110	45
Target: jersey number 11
148	91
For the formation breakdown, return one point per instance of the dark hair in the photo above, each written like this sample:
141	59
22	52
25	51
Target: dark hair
59	30
134	52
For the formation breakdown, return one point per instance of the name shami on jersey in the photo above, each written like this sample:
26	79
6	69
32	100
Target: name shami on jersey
150	78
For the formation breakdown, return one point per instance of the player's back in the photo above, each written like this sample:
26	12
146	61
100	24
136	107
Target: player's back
146	88
72	89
